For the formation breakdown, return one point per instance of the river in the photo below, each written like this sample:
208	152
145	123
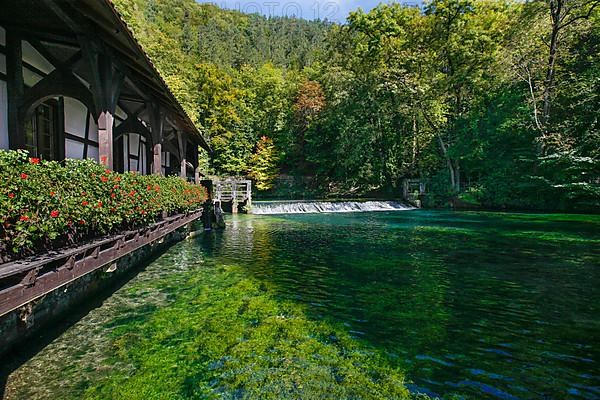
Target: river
478	305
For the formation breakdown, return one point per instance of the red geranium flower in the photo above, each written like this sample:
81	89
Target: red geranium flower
11	195
24	176
35	161
104	179
54	214
84	203
107	171
81	222
24	218
112	195
99	204
52	194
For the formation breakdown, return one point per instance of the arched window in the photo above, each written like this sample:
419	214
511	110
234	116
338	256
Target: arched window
42	131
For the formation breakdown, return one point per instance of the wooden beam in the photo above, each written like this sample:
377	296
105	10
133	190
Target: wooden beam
131	125
171	148
58	83
35	43
64	15
61	38
15	88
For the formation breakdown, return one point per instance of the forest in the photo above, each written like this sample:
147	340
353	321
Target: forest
491	103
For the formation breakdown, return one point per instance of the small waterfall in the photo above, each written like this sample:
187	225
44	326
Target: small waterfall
306	207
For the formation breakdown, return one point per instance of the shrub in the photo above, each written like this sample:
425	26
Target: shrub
47	204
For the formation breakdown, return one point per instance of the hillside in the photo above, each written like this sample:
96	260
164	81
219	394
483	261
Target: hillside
466	95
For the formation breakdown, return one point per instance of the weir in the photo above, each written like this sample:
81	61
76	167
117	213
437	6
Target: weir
307	207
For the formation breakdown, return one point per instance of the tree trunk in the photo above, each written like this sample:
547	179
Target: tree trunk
555	11
415	143
457	176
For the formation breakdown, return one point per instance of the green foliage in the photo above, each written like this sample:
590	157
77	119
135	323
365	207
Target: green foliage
263	164
44	204
453	94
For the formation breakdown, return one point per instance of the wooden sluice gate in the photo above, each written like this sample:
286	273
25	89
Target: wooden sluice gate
413	191
233	195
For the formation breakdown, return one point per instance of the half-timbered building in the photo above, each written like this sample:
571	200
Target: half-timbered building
74	83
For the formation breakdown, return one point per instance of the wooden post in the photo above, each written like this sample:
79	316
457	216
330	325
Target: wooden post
157	159
183	166
15	88
197	175
181	139
105	138
157	126
234	200
248	195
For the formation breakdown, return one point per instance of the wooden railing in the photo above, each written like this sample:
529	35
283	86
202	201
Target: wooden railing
25	280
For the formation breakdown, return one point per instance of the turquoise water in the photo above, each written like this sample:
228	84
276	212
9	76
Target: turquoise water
475	305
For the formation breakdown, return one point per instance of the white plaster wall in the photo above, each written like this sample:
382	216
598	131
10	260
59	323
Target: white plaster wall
93	153
75	117
3	64
30	78
134	144
93	129
33	57
3	116
73	149
165	158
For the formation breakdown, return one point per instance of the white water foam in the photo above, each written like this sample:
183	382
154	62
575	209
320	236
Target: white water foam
311	207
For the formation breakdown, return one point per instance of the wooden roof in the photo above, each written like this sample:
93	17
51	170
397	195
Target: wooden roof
65	20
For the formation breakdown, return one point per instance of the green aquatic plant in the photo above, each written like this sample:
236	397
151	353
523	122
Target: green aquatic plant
229	337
